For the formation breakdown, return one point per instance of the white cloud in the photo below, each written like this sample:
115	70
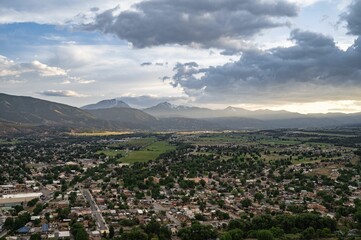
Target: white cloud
61	93
53	11
81	81
47	71
305	3
6	72
36	71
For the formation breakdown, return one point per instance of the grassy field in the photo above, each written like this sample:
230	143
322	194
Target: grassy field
111	153
91	134
150	152
5	142
219	139
279	142
137	142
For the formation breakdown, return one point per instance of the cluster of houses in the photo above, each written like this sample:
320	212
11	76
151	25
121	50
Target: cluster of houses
212	203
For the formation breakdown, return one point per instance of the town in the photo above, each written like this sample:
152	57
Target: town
279	184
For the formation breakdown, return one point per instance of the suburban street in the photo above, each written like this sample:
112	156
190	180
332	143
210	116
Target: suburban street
95	211
4	233
159	207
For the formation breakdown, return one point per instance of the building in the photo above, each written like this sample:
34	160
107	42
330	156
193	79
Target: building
11	200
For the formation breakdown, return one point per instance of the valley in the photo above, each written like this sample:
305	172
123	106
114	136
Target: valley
293	184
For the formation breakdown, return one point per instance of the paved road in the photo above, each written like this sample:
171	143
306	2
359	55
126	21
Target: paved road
95	211
159	207
4	233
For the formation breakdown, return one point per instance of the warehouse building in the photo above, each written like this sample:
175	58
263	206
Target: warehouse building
11	200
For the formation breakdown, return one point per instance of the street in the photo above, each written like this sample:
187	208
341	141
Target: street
95	211
159	207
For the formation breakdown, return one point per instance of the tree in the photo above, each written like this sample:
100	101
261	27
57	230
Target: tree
309	233
21	220
18	208
246	202
202	205
111	232
197	232
277	232
226	236
236	234
35	236
78	231
81	235
9	223
135	234
202	182
37	210
264	235
342	234
32	202
47	216
153	227
165	233
258	196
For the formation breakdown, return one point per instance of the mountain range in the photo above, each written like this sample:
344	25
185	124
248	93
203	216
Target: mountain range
165	110
19	114
105	104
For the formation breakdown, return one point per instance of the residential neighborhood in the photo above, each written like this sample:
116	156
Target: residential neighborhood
216	180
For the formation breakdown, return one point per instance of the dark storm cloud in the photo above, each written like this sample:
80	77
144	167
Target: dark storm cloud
353	18
207	23
313	69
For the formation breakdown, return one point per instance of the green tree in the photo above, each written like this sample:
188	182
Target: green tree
342	234
79	232
153	227
277	232
309	233
226	236
246	203
236	234
197	232
135	234
258	196
32	202
35	236
111	232
202	182
264	235
38	208
9	223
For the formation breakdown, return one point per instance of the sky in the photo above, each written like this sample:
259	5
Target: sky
297	55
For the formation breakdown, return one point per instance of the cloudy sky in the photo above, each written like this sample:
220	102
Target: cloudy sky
298	55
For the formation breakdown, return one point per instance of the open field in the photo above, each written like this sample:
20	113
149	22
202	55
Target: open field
5	142
151	152
111	153
90	134
136	142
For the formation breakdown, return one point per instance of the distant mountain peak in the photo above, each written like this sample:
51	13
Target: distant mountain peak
105	104
236	110
230	108
165	104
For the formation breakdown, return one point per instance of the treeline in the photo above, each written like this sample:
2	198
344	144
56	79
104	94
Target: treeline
263	227
305	226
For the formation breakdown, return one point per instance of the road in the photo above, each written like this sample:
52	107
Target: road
4	233
97	215
159	207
